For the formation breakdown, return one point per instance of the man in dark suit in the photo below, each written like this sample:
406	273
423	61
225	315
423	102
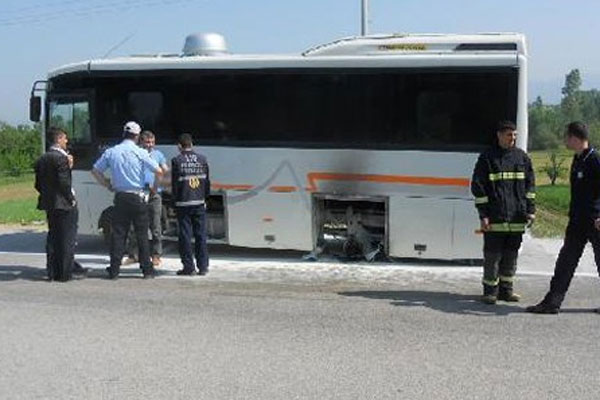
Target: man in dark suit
57	198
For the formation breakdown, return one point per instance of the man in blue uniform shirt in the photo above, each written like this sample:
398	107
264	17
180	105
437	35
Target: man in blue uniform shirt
127	163
190	186
154	188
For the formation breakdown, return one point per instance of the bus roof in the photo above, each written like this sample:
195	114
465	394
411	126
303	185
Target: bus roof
374	51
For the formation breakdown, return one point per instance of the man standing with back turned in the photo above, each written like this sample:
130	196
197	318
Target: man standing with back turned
190	185
53	183
503	185
584	217
127	162
154	189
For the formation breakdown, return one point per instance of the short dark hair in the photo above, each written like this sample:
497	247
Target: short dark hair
185	140
147	134
506	125
578	129
55	132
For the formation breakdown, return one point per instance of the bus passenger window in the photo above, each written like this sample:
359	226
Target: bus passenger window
146	108
436	115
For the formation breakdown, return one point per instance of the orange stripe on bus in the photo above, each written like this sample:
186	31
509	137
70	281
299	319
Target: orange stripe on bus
313	177
243	188
283	189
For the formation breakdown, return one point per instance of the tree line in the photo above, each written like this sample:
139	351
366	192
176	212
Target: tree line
547	121
20	146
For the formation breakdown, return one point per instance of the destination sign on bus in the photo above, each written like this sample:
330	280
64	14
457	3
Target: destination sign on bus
403	46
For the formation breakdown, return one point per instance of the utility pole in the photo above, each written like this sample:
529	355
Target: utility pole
364	27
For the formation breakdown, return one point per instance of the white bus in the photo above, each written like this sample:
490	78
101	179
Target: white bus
368	142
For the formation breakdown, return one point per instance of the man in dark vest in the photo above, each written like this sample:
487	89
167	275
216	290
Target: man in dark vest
190	188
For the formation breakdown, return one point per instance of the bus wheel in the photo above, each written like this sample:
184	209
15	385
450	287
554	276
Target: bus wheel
105	224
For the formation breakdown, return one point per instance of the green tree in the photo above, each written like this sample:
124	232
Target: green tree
571	101
544	126
555	168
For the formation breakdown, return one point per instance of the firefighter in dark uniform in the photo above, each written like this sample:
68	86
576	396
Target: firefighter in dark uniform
503	185
584	217
190	185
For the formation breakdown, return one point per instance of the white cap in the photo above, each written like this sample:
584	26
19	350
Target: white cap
132	127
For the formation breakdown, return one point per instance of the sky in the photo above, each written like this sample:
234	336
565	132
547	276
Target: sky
39	35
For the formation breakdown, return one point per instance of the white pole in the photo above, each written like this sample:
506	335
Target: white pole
364	28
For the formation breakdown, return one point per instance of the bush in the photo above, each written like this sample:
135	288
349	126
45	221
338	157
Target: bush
19	148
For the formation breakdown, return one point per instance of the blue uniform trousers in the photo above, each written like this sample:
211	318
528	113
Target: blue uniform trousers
191	222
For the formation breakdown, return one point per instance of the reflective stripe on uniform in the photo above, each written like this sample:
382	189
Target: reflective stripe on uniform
481	200
507	227
189	177
189	203
501	176
508	279
490	282
530	195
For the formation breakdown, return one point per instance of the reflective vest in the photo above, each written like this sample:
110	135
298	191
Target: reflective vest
190	183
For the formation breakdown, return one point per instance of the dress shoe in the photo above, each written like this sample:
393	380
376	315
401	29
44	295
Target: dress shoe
183	272
542	308
112	275
79	272
149	273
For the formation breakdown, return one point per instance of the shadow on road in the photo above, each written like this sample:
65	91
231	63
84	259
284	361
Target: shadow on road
14	272
26	241
23	272
454	303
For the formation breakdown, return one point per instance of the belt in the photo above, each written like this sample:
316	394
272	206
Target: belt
140	191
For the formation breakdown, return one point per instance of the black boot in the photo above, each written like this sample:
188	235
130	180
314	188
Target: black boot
490	294
506	292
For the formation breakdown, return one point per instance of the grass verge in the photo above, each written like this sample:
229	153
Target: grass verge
552	205
21	211
18	200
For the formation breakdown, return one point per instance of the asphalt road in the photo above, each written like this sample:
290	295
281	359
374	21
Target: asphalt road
267	326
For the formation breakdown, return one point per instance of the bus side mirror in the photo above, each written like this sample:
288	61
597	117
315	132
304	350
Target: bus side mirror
35	108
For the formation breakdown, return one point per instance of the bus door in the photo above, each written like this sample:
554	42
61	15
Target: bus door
72	113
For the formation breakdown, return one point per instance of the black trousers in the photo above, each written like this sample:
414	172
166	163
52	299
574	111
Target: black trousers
129	208
578	233
60	243
191	222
